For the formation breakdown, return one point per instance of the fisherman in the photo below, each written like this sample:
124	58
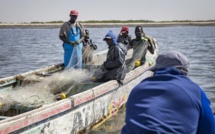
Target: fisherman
72	34
124	36
140	45
114	67
168	102
88	48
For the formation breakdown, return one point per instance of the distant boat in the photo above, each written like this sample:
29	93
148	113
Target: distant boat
78	106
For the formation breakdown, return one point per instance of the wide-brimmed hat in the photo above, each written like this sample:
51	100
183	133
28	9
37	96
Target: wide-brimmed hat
170	59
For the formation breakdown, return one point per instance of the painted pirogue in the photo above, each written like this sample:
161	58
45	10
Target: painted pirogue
86	104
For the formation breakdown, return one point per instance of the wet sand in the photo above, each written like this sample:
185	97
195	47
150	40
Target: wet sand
97	25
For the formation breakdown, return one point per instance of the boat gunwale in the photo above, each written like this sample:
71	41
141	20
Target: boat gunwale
13	80
20	120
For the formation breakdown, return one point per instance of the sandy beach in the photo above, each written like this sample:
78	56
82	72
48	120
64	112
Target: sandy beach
90	25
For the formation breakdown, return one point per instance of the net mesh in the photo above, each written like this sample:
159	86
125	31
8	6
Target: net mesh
41	92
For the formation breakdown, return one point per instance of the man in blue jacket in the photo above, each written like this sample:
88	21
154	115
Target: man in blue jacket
114	67
168	102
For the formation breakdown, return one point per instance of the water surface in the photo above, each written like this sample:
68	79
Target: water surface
28	49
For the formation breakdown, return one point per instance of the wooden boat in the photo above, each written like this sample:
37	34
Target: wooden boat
87	105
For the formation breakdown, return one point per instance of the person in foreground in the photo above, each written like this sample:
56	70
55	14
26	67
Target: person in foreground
72	34
140	45
168	102
114	67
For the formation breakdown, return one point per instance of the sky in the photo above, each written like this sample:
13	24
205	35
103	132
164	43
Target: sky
16	11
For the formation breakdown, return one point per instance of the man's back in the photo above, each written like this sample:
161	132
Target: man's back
166	103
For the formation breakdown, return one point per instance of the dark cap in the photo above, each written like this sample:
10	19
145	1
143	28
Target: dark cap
170	59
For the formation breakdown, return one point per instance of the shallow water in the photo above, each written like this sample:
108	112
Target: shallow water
28	49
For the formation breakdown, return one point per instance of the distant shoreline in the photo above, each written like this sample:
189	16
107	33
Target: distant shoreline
98	25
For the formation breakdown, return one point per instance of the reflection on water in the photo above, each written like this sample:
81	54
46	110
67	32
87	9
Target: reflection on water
28	49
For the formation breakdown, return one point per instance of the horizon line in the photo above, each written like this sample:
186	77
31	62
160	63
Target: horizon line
111	21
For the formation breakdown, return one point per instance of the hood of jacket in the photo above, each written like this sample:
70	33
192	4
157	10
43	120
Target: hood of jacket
111	35
169	70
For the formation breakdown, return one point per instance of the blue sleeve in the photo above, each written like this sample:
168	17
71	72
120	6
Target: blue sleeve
206	121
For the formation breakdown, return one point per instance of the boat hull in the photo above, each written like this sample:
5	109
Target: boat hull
76	113
80	112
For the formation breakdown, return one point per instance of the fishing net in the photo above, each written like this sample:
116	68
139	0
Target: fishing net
36	91
87	54
44	91
5	103
75	58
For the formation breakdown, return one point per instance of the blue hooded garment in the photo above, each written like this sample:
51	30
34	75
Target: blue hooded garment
168	103
112	36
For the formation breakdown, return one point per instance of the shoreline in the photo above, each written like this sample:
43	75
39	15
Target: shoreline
100	25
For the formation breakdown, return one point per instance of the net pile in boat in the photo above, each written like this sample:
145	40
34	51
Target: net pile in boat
44	92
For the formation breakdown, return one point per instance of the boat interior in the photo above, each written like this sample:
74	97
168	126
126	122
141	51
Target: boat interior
57	81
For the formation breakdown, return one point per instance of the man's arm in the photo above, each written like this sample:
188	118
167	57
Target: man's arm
151	48
206	122
63	34
64	39
130	45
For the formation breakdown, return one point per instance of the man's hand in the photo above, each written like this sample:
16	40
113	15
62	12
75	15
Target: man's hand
94	46
77	42
72	43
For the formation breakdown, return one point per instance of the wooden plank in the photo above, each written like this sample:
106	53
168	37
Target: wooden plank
94	92
17	122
